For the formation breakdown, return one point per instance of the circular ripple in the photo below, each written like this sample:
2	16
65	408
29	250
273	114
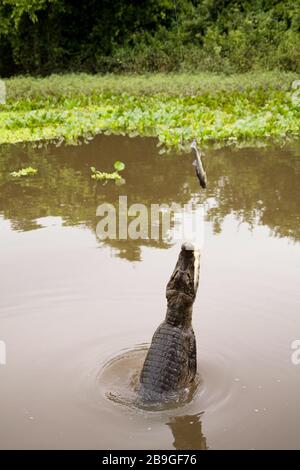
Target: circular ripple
118	381
118	377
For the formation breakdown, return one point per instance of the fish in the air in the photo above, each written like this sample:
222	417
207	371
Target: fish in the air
201	174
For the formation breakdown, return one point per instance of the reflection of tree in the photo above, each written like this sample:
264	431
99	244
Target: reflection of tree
260	186
63	186
187	432
257	186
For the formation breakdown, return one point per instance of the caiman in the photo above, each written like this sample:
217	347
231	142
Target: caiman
171	362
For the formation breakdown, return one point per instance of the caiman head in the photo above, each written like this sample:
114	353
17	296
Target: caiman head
182	287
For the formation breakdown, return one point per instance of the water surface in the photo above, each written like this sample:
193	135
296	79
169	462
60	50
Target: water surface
76	314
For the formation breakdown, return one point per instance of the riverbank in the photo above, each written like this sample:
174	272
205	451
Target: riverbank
174	108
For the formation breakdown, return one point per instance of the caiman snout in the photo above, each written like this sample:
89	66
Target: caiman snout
194	260
185	278
188	246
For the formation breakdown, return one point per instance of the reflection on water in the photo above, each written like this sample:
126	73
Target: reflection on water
259	186
187	432
69	303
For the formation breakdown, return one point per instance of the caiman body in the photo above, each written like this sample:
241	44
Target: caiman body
171	363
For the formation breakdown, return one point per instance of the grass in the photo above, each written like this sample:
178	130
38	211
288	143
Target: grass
175	108
56	86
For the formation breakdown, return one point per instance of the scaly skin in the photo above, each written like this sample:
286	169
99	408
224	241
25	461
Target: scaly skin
171	363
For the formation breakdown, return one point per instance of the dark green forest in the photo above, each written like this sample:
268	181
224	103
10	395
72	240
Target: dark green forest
39	37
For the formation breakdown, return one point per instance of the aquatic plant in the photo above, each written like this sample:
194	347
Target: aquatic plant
177	109
29	171
119	166
104	176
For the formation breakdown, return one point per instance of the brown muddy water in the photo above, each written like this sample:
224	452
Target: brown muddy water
76	314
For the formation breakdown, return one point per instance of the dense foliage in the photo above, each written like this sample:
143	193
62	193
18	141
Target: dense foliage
46	36
173	108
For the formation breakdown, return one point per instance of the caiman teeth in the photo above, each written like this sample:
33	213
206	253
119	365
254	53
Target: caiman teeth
196	268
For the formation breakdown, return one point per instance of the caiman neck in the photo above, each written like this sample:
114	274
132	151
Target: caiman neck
182	287
179	316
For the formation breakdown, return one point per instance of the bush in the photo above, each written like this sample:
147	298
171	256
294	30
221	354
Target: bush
45	36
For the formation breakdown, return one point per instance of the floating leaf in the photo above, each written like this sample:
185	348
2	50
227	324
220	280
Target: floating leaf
119	166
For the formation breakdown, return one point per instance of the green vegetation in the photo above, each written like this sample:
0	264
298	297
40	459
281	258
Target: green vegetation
29	171
104	176
174	108
47	36
119	166
40	92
